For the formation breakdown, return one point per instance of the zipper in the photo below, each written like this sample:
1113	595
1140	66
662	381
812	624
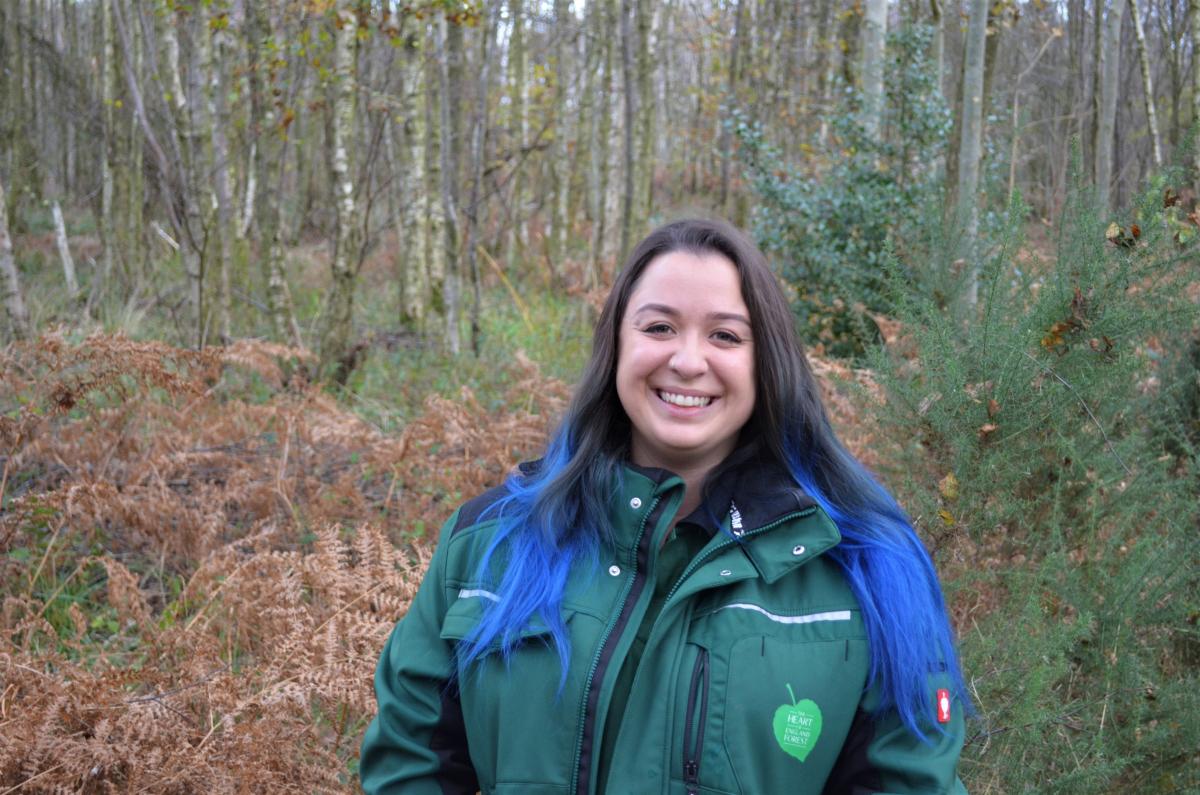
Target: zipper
693	750
578	786
700	561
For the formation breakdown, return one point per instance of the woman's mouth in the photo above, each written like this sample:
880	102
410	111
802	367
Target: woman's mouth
684	401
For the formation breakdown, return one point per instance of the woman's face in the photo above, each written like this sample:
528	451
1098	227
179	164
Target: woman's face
685	362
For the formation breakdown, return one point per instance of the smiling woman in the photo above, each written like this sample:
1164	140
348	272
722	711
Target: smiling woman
685	366
696	589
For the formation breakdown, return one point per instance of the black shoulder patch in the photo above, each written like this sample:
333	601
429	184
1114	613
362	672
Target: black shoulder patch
471	510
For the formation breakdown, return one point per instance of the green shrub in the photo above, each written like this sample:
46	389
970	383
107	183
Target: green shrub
1047	445
829	227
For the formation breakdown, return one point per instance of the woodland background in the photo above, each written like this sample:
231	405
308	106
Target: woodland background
284	281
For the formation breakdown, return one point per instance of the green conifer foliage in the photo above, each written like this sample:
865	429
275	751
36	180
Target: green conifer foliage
1047	446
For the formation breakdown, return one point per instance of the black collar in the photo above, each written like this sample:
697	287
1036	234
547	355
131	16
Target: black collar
749	481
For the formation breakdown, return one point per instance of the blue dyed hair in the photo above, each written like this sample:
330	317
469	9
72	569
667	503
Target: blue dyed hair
551	521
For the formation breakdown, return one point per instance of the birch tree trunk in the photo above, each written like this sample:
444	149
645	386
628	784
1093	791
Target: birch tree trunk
874	44
970	146
560	162
218	122
185	145
450	46
601	138
644	179
413	212
335	342
518	63
629	122
10	279
479	126
1147	81
435	218
731	92
1108	52
64	252
108	226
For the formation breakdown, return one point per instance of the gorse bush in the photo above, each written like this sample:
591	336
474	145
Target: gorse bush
829	222
1046	441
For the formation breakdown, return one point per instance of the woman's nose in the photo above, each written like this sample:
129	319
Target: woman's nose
688	359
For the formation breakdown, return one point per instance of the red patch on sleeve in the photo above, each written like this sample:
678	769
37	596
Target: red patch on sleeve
943	706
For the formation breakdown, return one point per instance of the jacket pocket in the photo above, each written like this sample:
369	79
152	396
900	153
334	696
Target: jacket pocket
695	720
504	696
789	703
465	613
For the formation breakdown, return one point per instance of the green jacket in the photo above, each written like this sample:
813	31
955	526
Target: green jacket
752	679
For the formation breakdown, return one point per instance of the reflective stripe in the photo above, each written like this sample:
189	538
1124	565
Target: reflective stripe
833	615
466	593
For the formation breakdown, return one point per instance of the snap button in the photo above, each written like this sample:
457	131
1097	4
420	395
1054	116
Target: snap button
798	549
635	503
725	572
614	570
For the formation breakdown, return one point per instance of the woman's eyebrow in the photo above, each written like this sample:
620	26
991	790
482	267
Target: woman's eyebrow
671	311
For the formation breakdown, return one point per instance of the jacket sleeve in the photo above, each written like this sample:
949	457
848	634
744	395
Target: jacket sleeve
417	743
881	756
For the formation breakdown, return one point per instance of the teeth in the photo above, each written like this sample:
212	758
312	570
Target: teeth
690	401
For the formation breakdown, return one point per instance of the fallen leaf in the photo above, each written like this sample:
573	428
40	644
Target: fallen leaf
993	408
948	486
987	430
947	517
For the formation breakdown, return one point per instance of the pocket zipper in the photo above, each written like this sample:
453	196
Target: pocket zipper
693	750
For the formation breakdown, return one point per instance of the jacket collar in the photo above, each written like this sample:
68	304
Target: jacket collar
755	499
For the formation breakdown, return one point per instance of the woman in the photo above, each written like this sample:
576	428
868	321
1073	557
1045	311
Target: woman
696	590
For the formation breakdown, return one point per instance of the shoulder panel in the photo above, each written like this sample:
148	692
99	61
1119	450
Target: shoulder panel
471	511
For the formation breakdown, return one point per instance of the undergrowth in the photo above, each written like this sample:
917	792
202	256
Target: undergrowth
1046	440
196	585
202	557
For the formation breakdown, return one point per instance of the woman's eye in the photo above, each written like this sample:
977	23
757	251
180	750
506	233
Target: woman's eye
727	337
657	328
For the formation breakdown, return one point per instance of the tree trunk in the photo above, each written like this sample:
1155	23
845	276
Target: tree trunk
10	288
450	46
970	146
518	67
10	280
408	131
1147	81
560	163
644	162
1195	16
873	60
218	122
64	251
335	342
601	138
435	218
479	128
108	225
937	19
1109	54
731	93
630	121
184	140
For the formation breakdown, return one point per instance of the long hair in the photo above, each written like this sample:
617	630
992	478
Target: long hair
551	520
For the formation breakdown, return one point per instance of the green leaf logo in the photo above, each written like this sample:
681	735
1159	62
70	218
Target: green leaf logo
797	726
